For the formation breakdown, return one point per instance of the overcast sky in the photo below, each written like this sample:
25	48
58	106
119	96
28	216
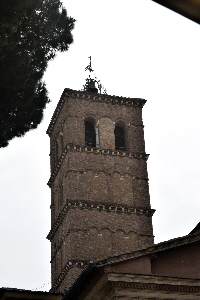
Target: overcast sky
139	49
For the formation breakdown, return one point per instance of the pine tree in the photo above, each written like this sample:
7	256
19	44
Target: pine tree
31	31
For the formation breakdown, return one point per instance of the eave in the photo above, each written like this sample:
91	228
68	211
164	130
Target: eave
187	8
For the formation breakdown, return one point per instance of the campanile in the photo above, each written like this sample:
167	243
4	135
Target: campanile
100	204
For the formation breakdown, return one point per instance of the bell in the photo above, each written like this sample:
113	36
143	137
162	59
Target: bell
91	84
91	87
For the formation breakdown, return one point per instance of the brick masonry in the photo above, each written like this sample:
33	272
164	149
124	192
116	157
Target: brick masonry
100	204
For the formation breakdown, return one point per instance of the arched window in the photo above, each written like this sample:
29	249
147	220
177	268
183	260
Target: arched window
90	134
119	138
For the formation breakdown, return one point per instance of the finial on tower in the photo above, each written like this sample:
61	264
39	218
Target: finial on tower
90	84
89	67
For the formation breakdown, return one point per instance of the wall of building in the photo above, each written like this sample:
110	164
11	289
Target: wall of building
141	265
183	261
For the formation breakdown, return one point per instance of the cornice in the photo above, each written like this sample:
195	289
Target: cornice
156	287
102	207
90	150
69	265
154	283
82	95
149	278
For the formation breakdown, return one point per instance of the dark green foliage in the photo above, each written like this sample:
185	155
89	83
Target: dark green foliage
31	31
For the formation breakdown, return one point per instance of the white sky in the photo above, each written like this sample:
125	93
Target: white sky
139	49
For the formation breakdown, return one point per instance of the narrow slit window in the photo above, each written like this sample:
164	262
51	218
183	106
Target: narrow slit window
90	134
119	138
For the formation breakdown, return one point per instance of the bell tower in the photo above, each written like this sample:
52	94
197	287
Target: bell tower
100	204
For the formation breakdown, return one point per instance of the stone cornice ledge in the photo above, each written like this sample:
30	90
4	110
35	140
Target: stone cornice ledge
91	150
91	205
69	265
154	283
136	102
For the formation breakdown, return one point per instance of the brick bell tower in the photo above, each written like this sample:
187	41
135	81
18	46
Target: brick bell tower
100	204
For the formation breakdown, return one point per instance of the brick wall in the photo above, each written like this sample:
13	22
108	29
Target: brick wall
100	197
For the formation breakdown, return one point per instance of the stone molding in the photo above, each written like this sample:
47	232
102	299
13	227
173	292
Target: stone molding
157	287
96	151
154	283
91	205
69	265
135	102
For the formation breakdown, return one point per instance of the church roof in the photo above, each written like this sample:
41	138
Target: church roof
196	229
14	293
187	8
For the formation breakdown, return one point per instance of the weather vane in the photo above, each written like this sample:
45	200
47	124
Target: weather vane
90	84
89	67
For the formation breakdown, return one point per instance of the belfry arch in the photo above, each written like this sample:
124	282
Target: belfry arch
120	136
90	132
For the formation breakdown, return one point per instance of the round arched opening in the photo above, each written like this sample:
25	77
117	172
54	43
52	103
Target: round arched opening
90	134
119	138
